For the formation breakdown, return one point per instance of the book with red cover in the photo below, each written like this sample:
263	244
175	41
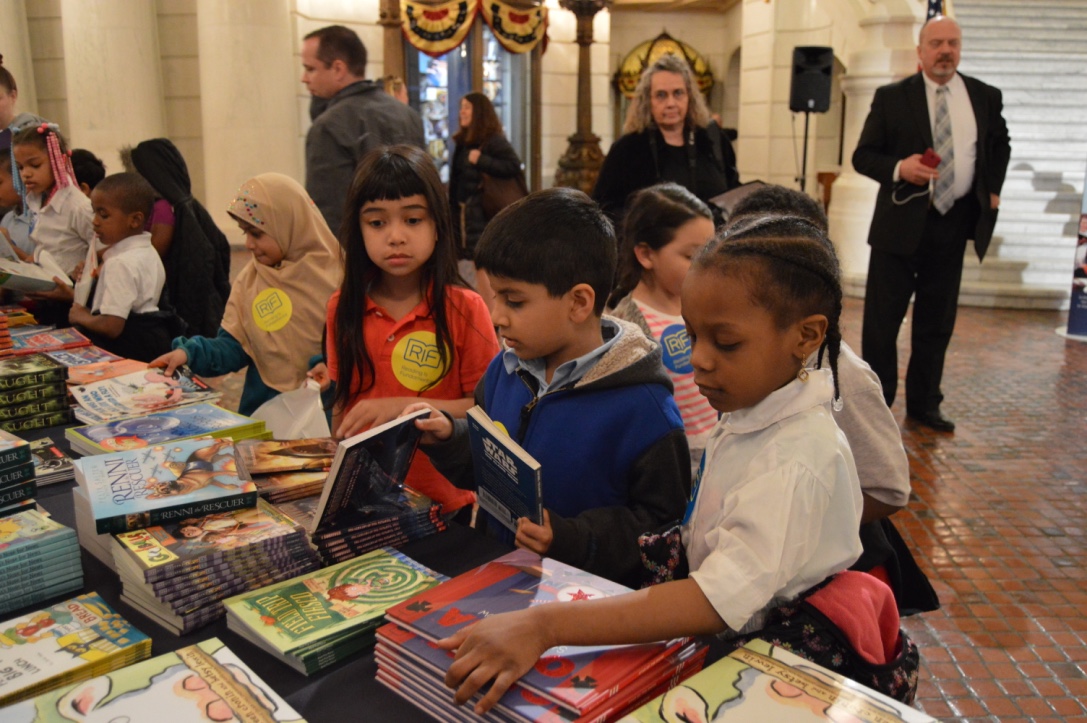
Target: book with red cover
52	340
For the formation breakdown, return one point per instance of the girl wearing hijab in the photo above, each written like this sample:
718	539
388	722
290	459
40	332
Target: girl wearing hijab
276	310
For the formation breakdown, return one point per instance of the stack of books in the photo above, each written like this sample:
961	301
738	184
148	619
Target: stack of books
133	489
33	393
138	394
17	315
201	682
51	464
17	483
80	356
165	427
48	340
285	470
763	682
39	559
569	683
178	574
100	371
316	620
63	644
6	344
364	504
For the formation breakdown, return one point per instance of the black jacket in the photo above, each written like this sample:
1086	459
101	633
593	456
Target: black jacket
497	158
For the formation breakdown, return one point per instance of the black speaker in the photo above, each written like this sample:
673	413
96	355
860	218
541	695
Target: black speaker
810	89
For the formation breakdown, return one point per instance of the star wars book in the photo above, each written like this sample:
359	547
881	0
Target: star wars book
139	394
508	482
139	488
201	682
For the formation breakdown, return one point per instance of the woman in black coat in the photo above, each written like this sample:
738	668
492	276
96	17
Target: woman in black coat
481	147
668	136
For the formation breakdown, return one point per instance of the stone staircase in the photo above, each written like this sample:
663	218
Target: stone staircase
1035	53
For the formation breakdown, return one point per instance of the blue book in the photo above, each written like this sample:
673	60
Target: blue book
171	425
508	482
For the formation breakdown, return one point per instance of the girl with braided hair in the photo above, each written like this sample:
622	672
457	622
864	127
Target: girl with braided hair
773	520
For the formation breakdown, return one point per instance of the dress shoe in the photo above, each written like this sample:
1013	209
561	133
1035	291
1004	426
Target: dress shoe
934	419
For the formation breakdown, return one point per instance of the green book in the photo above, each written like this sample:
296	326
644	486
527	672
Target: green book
38	392
30	370
14	451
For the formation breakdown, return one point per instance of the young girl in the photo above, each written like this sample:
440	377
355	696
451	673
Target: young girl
664	228
778	506
62	225
273	318
404	326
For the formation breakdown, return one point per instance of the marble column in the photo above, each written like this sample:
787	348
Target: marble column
580	165
15	47
249	88
393	47
113	75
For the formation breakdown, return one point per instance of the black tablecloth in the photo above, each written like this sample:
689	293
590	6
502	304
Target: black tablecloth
339	693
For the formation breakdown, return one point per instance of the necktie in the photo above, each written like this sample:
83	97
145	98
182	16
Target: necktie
942	197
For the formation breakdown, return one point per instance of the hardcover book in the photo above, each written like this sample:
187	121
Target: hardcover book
171	425
762	682
261	457
142	487
139	394
201	682
508	482
66	338
30	370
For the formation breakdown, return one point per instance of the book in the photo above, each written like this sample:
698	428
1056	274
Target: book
39	558
30	370
366	463
56	418
171	425
286	486
82	356
22	276
14	451
763	682
53	340
51	464
508	482
200	682
142	487
19	492
67	642
138	394
34	407
37	392
260	457
100	371
81	290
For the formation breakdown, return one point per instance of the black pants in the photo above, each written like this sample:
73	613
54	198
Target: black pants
932	274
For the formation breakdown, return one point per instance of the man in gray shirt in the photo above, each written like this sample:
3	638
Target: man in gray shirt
358	116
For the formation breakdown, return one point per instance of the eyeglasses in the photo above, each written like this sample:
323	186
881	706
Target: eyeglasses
662	95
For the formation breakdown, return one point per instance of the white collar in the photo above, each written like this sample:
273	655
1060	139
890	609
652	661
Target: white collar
794	397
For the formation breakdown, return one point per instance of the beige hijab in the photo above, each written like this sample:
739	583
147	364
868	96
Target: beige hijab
278	313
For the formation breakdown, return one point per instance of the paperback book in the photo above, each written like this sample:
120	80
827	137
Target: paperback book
39	558
286	486
51	464
139	394
138	488
263	457
23	277
99	371
57	418
205	681
508	483
30	370
56	339
83	355
36	393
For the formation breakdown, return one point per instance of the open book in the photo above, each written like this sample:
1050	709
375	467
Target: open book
20	276
508	482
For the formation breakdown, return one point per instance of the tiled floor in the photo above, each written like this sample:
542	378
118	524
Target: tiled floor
998	521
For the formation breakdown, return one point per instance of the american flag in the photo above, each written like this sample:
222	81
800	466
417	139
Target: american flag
938	7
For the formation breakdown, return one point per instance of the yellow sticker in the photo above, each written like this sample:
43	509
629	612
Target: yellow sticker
272	309
501	426
416	362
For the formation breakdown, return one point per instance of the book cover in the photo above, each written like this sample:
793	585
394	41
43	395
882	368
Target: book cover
19	492
30	370
142	487
286	484
139	394
67	639
51	464
23	277
508	483
201	682
172	425
100	371
37	392
258	457
367	465
33	407
57	418
30	530
14	451
82	356
318	606
66	338
762	682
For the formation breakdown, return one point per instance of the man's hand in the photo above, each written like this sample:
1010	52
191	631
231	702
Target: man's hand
912	170
436	428
535	537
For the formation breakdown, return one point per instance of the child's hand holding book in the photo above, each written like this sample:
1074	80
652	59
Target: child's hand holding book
436	428
531	536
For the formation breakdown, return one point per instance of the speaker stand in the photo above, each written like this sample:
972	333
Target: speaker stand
803	177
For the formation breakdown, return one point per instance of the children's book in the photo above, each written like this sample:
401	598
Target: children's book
57	418
31	370
14	451
201	682
100	371
139	394
67	338
260	457
32	407
67	642
83	355
171	425
508	482
51	464
762	682
22	276
364	467
142	487
35	393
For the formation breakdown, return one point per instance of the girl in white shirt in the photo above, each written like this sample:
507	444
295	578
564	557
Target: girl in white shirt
776	511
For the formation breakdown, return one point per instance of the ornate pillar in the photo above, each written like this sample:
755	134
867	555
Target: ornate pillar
393	39
15	41
580	165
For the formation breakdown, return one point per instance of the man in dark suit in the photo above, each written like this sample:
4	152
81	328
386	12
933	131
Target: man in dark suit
926	210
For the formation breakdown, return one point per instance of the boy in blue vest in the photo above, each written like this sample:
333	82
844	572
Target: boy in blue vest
584	394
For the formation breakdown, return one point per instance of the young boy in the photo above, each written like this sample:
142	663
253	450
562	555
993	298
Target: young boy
586	395
89	170
125	317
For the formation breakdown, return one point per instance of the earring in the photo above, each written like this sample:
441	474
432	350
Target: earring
802	375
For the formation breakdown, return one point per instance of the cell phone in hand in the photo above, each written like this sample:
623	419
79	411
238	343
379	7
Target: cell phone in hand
930	158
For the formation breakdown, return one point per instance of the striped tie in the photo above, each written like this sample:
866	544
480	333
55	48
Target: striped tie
943	198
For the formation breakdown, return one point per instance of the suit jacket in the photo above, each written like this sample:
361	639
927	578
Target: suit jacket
898	126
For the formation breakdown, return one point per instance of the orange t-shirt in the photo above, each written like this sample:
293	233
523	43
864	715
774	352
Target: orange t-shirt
405	357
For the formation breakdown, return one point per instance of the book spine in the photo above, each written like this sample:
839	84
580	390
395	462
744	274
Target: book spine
29	379
29	394
18	493
38	421
32	407
16	456
165	515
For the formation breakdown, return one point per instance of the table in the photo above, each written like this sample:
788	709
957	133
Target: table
345	691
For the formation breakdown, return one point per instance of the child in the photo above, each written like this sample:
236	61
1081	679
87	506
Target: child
62	226
89	170
663	229
404	325
776	512
125	317
586	396
16	223
272	322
